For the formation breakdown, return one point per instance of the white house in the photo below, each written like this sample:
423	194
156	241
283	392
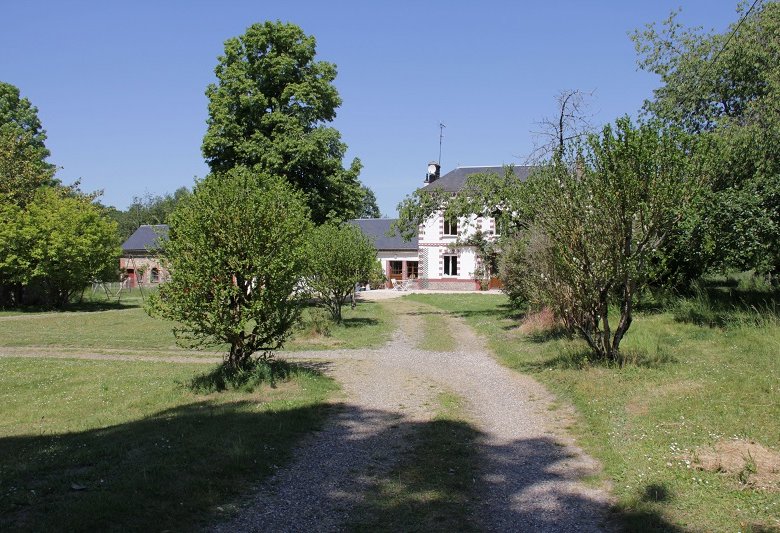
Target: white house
441	265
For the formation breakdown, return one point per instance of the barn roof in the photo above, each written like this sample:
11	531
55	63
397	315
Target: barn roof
146	238
377	230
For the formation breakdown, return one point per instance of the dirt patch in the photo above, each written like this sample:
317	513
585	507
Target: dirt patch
751	464
640	404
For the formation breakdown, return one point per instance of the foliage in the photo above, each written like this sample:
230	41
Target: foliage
727	88
341	257
55	247
147	209
236	252
19	121
22	171
269	110
316	322
376	277
512	271
486	252
369	207
600	215
53	239
246	378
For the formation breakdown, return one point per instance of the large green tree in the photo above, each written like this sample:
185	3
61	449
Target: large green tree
725	87
53	239
369	207
236	253
23	152
20	118
269	110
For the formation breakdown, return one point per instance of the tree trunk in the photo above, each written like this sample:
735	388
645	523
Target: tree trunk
626	317
238	356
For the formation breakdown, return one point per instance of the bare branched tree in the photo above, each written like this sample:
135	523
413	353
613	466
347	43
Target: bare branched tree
572	121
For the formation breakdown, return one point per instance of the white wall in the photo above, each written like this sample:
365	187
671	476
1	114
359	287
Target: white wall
434	245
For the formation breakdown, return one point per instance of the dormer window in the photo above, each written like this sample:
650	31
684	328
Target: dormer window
451	226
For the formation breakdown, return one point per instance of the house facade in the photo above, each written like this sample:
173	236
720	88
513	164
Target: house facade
400	259
443	265
139	263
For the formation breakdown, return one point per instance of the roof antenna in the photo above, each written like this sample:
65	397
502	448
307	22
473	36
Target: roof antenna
441	136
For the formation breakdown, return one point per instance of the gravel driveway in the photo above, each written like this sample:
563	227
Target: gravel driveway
530	471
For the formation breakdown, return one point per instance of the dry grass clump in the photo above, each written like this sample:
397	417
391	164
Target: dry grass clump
537	322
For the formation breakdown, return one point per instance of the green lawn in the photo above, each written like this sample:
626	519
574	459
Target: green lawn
369	325
690	387
106	445
129	329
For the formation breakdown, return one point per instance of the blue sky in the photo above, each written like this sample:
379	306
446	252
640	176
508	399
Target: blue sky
120	85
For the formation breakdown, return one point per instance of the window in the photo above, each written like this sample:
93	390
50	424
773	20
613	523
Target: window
450	265
412	269
154	276
450	226
396	269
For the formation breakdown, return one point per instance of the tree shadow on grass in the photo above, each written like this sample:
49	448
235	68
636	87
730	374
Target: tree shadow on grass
451	479
164	472
83	307
178	470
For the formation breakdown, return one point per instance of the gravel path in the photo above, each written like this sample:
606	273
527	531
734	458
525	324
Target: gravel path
48	352
530	471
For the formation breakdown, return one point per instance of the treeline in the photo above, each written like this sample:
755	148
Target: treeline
53	238
692	188
147	209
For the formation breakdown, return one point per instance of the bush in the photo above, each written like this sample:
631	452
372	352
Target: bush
316	322
236	253
376	277
341	257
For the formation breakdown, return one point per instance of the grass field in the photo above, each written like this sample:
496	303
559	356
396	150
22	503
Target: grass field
106	445
689	388
126	445
126	328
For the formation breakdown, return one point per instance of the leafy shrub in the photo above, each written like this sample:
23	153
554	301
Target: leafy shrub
316	321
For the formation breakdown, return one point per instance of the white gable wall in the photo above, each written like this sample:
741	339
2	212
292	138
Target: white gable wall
435	246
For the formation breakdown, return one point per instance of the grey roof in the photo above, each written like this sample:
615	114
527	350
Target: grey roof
146	238
377	230
454	180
